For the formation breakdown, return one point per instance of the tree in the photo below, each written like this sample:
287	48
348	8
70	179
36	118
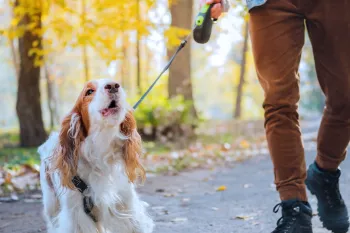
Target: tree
239	93
138	52
124	61
51	100
32	132
180	71
50	27
84	46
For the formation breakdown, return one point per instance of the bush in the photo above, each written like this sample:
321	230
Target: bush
166	120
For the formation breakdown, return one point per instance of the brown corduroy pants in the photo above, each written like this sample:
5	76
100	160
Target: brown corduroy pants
277	32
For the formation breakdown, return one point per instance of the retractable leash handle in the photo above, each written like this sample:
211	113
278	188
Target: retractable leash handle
203	25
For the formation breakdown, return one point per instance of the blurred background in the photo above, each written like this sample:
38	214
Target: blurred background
208	103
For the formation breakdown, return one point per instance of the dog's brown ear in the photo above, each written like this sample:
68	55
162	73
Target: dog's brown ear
66	156
132	149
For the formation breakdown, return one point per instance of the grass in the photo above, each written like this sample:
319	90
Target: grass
11	155
17	156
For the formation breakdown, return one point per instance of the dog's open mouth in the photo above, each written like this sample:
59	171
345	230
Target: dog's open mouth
111	109
113	104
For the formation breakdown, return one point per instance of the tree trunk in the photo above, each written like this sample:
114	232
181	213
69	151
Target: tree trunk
85	49
138	55
125	66
239	97
14	58
86	64
180	71
32	132
50	97
14	53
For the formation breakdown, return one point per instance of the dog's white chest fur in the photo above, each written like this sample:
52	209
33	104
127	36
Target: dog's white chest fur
118	208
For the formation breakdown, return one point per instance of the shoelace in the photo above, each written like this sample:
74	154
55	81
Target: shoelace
284	223
332	193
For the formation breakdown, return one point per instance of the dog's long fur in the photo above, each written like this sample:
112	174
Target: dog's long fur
104	151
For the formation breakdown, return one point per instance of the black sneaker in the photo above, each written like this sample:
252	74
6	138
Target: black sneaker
330	204
296	217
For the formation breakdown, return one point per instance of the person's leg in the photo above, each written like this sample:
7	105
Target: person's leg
329	31
277	34
328	25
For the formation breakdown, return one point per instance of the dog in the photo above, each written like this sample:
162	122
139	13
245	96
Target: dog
90	168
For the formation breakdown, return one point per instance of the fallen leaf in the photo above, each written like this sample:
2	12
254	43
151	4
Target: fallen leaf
226	147
243	217
28	179
179	220
244	144
221	188
8	178
169	195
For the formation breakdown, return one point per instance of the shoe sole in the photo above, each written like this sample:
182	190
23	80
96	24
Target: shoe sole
324	222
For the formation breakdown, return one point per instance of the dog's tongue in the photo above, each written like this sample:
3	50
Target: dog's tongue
108	111
105	112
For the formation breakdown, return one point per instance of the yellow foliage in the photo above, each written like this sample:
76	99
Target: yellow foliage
174	35
94	23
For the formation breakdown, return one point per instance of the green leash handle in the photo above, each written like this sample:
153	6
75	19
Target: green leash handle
203	25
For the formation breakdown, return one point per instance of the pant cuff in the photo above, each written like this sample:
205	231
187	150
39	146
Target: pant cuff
327	164
293	193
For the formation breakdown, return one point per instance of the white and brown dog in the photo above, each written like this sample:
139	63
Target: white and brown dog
89	168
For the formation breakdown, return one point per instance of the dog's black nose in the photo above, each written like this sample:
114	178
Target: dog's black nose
112	87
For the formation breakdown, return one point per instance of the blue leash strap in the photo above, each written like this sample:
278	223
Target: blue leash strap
182	45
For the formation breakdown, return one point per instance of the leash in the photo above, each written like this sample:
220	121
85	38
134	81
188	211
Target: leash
201	34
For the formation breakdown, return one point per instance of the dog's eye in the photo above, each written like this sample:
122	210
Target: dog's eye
89	92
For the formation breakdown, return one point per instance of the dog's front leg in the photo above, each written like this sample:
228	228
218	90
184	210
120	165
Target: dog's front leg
75	220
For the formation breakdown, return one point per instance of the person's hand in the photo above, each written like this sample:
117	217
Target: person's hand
216	10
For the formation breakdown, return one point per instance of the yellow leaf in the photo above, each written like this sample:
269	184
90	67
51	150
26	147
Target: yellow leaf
35	43
246	17
221	188
244	144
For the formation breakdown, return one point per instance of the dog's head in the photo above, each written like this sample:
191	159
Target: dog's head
100	105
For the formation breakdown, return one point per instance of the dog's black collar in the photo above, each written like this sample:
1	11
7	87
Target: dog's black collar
87	200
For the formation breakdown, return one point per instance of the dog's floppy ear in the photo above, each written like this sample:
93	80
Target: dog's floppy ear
132	148
65	158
